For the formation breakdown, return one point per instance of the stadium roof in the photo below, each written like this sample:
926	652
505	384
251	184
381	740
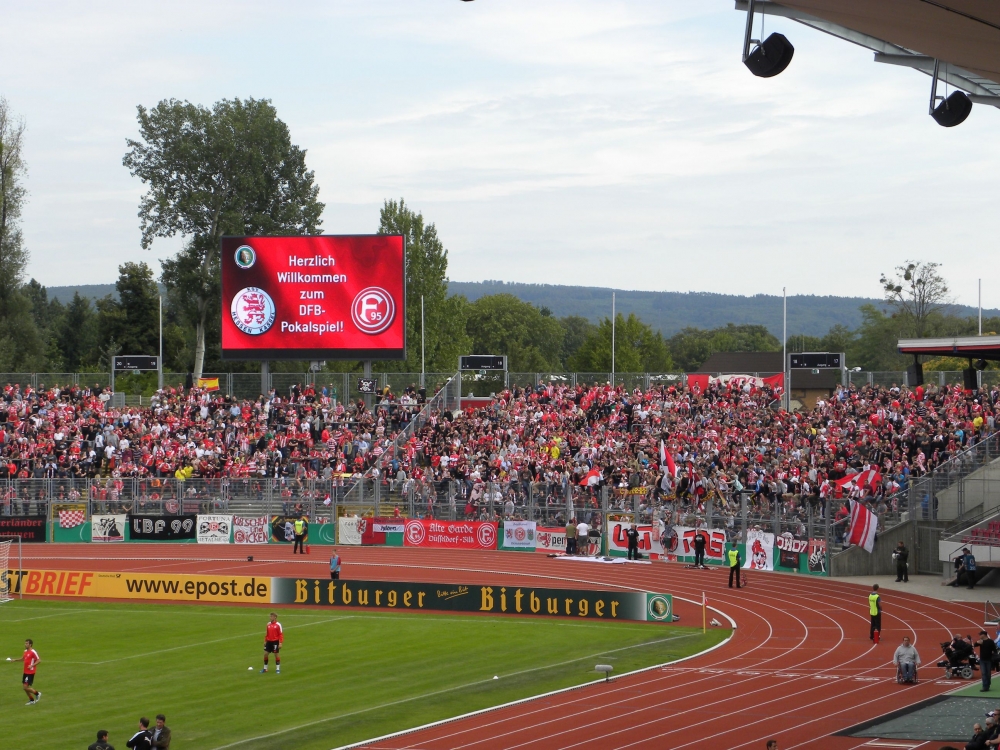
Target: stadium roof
963	34
975	347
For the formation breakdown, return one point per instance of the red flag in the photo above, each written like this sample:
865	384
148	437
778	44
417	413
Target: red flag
777	382
667	460
591	478
697	383
864	524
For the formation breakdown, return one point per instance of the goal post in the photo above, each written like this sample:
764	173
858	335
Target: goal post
10	551
991	615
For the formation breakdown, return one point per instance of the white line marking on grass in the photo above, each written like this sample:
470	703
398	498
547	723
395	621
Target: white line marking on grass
55	614
193	645
461	687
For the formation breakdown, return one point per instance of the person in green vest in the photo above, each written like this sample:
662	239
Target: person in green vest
875	611
301	527
735	562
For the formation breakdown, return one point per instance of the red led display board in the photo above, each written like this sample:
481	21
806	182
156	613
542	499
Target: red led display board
326	297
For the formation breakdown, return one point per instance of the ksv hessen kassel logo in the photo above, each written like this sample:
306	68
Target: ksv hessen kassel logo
252	310
373	310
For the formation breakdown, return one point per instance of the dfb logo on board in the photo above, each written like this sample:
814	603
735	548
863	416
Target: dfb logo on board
373	310
252	310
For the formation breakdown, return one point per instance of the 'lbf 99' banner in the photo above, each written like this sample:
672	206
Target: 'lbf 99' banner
162	528
313	297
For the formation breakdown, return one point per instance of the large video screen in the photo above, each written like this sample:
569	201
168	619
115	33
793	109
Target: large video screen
327	297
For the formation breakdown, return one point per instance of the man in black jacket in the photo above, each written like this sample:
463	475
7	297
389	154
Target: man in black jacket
102	741
632	535
987	655
699	549
143	739
901	555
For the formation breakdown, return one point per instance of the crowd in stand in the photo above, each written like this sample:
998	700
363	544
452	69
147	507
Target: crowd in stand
667	446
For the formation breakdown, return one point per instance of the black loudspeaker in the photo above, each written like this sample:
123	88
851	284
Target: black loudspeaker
772	57
915	375
953	110
969	376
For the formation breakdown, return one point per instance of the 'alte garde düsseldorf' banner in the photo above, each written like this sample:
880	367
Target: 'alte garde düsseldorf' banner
497	600
382	595
450	534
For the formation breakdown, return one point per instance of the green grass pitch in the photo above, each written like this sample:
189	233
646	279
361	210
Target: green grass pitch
346	676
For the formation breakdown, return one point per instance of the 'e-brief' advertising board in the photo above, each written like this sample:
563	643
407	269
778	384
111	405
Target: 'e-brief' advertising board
313	297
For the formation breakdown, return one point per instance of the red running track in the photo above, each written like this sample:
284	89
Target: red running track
798	668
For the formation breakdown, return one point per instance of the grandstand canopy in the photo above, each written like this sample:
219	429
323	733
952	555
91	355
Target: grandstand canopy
965	34
974	347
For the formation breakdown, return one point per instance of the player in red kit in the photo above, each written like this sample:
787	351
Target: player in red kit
273	639
30	658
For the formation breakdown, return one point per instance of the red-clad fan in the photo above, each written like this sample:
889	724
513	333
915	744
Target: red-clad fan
273	638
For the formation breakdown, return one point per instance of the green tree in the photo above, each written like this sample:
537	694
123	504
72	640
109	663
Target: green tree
692	346
131	321
229	170
576	330
637	348
21	344
445	338
77	335
916	292
504	325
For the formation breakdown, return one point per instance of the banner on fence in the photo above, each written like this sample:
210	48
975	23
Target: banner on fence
162	528
550	540
29	528
760	550
682	544
519	535
450	534
283	529
108	528
817	556
250	530
349	530
508	600
70	515
649	545
214	529
147	586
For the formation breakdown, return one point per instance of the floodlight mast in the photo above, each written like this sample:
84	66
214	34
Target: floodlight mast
747	41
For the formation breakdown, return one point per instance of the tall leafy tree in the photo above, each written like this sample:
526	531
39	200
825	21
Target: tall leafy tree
77	335
228	170
692	346
504	325
426	276
21	345
637	347
132	321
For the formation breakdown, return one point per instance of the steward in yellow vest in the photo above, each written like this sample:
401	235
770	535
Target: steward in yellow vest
875	612
734	565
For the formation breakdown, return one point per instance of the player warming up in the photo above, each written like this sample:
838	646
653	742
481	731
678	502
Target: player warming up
273	639
31	659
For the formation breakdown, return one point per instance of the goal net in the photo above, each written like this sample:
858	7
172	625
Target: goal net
10	549
991	615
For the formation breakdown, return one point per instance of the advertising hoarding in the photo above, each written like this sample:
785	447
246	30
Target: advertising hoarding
322	297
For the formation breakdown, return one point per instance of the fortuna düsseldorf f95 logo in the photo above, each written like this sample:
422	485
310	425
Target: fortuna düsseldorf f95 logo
252	310
373	310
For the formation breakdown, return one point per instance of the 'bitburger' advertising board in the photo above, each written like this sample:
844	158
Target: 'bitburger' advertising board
320	297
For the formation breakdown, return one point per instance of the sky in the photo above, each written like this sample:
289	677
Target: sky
590	142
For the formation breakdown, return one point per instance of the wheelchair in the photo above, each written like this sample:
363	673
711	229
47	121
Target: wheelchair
964	668
899	676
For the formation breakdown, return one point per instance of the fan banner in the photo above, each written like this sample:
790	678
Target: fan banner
550	540
283	529
519	535
250	530
760	550
349	530
214	529
618	541
108	528
682	544
29	528
72	516
698	382
162	528
450	534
